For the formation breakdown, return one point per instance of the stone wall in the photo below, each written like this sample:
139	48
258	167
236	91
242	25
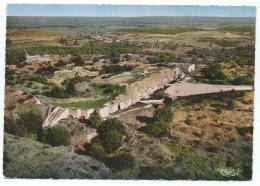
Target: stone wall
135	91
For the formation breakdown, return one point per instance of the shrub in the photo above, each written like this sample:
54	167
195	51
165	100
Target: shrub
231	104
70	88
121	162
162	58
214	72
95	149
30	117
115	69
15	56
111	140
57	92
164	114
168	101
77	59
11	127
111	124
157	128
109	89
114	57
56	136
95	119
110	133
46	70
241	80
150	173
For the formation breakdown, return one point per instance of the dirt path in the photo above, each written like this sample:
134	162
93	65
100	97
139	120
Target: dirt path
187	89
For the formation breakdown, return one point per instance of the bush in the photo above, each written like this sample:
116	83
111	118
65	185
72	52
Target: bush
95	119
231	104
22	77
150	173
121	162
56	136
111	140
95	149
157	128
57	92
15	56
30	117
114	57
110	133
70	88
115	69
168	101
241	80
11	127
109	89
164	114
214	72
162	58
77	59
46	70
111	124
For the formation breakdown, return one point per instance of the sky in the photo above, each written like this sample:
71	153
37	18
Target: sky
128	10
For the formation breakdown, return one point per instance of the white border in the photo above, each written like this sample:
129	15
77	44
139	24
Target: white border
256	163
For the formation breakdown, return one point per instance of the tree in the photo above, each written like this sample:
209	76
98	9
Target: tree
111	140
56	136
111	124
95	119
70	89
30	117
110	133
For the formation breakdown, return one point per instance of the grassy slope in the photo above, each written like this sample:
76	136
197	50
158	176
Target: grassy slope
24	158
85	104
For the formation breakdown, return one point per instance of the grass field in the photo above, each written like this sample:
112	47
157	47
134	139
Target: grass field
85	104
219	42
239	29
160	30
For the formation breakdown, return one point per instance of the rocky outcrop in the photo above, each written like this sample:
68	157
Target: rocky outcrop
24	158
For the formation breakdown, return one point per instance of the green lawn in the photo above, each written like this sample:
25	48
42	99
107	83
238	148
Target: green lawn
85	104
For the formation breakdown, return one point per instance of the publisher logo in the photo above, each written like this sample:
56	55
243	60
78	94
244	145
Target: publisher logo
229	171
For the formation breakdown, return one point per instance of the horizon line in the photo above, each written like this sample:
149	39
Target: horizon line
125	16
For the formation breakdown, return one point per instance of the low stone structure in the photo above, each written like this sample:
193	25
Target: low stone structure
37	58
135	91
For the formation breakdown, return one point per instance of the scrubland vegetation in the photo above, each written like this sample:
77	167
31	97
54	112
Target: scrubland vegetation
239	29
220	42
27	122
162	58
149	143
160	30
17	54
